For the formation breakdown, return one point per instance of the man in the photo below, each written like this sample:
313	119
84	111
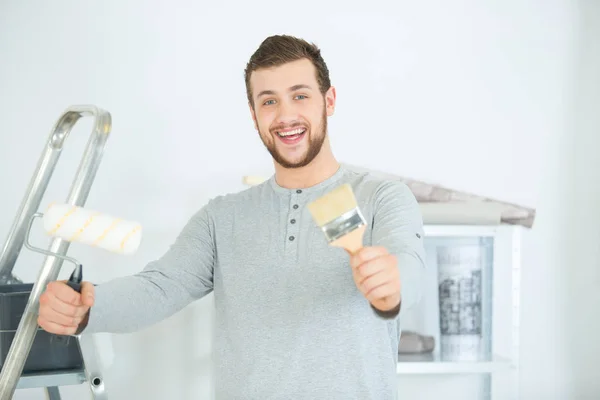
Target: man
295	318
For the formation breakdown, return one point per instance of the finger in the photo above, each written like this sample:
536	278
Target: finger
390	289
57	311
63	308
50	315
55	328
64	293
374	266
50	300
87	294
369	268
365	254
376	280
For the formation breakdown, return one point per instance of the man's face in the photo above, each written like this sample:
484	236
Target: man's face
290	113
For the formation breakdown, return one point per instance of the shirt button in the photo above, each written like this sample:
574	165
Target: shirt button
293	221
298	191
295	206
291	238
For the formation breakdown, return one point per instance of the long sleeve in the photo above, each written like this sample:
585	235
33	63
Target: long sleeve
183	274
398	226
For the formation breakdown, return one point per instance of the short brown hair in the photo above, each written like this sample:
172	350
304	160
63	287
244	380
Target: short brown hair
277	50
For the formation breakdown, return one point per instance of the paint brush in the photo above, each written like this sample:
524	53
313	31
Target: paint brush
339	217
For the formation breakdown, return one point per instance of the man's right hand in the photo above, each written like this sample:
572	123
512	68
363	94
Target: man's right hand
62	309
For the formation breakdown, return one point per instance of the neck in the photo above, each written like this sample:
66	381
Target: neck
321	168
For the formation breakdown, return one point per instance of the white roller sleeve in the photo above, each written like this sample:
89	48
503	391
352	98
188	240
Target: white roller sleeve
93	228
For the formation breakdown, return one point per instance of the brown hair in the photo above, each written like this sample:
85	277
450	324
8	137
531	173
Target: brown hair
277	50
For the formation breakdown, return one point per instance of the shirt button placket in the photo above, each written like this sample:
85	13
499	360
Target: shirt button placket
292	223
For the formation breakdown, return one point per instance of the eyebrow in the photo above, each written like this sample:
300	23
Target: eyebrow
291	89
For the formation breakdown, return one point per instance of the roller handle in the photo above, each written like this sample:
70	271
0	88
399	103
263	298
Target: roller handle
75	279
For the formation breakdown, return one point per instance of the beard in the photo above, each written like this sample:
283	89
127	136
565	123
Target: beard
315	141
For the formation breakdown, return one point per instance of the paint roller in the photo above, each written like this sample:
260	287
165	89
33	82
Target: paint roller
93	228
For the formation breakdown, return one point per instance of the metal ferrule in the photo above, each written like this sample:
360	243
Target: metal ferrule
343	224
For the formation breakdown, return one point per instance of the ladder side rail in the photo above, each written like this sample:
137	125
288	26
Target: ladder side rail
79	191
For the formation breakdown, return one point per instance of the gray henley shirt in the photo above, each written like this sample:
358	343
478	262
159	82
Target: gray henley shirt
290	322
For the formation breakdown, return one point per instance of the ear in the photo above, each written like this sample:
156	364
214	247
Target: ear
253	114
330	101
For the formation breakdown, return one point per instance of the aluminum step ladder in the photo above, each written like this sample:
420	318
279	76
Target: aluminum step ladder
11	375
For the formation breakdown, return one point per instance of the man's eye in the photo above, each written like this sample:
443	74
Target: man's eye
269	102
300	97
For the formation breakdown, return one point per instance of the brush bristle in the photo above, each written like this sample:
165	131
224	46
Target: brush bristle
332	205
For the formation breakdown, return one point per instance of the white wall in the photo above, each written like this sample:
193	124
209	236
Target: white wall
511	80
580	260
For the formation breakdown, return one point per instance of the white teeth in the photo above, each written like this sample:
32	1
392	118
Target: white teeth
290	133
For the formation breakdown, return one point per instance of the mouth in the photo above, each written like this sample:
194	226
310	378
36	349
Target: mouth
291	136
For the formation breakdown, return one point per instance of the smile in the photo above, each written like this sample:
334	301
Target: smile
292	136
295	132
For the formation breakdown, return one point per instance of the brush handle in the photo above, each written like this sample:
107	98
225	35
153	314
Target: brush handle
351	242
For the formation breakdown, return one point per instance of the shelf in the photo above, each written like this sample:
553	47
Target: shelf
431	364
433	230
53	378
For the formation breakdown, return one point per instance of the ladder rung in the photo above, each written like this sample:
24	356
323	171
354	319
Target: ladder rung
51	378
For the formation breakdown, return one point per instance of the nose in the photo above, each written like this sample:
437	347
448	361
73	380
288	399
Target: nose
286	113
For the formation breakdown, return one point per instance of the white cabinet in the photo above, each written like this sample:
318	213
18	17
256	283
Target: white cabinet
482	363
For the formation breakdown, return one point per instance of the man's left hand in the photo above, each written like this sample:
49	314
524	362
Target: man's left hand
376	275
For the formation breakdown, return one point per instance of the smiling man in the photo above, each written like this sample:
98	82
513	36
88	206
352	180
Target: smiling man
295	318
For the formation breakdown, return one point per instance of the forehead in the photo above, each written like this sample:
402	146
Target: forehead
282	77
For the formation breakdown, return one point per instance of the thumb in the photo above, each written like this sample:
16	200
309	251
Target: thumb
87	294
